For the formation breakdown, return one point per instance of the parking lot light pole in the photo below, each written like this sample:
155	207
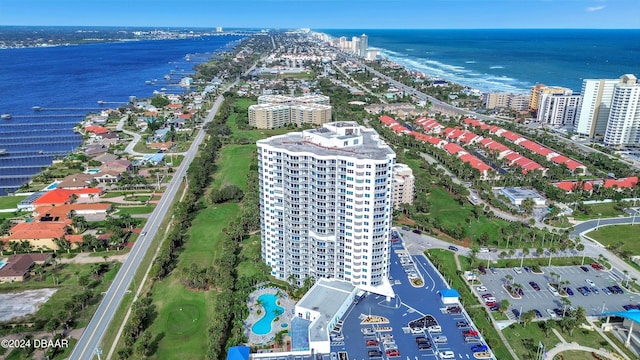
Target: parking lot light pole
522	258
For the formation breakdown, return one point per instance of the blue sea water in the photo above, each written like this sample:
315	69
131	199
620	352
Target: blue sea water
509	60
68	81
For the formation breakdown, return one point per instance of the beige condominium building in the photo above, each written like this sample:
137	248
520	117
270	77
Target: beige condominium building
273	111
403	185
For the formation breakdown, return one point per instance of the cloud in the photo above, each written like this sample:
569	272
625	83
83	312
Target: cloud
595	8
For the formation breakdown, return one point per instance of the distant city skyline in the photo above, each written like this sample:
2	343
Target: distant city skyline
327	14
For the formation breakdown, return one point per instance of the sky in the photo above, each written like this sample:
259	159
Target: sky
327	14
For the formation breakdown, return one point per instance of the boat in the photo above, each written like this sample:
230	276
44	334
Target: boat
148	82
163	89
4	152
5	116
101	102
167	77
37	108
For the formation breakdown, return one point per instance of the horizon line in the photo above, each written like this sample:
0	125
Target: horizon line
318	28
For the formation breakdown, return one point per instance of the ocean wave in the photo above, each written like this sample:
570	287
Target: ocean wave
460	74
470	61
409	49
496	67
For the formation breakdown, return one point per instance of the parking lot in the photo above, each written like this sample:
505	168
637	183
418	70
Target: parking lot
410	314
595	301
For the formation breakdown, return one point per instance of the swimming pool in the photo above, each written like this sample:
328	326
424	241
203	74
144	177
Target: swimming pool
52	186
271	311
93	171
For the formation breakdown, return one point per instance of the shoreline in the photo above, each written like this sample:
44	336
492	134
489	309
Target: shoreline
15	183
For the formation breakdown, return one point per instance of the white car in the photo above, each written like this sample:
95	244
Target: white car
447	355
434	329
552	313
553	291
489	299
517	270
590	282
481	288
440	339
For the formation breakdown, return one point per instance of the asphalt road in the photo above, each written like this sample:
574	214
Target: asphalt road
89	343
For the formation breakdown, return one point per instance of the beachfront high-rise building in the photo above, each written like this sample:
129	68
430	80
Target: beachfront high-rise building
495	100
519	102
558	109
623	126
355	44
403	185
326	205
273	111
540	89
596	104
363	45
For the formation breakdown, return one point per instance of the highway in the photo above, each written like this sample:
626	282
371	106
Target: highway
89	343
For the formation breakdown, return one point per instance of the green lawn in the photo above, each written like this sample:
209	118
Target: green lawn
524	340
205	233
233	166
180	334
451	214
135	210
602	210
10	202
623	238
250	257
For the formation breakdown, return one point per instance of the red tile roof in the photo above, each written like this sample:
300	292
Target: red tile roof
38	230
621	183
513	156
572	185
426	138
61	196
96	129
560	159
472	122
572	164
453	148
467	137
387	120
536	148
475	162
399	128
511	136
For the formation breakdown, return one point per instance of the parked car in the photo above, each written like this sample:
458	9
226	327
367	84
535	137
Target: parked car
489	300
516	313
440	339
520	292
470	333
374	353
597	266
527	269
479	348
584	268
534	285
606	291
517	270
482	270
372	342
424	345
568	291
487	295
453	248
551	313
618	289
393	352
591	283
447	355
538	313
416	231
462	324
594	290
481	288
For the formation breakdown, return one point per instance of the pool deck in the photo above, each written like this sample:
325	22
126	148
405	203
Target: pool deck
283	300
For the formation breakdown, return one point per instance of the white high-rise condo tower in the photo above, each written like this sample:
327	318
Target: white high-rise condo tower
623	127
326	205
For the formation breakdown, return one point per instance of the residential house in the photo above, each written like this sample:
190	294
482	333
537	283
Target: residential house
18	266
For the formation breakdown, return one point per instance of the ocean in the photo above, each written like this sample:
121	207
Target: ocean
509	60
68	81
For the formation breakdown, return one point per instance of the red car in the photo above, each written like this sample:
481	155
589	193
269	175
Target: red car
491	303
470	333
372	342
393	352
597	266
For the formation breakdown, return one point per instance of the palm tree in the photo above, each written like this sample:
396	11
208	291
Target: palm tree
509	278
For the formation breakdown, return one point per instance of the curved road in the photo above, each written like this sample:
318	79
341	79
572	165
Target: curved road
89	343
